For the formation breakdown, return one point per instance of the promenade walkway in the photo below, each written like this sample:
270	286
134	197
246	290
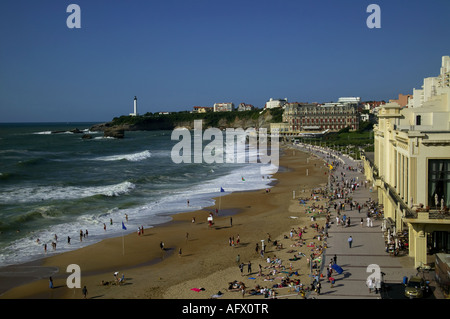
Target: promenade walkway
368	247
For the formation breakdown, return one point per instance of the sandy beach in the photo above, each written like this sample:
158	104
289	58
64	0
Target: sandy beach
207	262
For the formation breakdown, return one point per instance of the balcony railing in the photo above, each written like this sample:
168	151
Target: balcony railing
408	211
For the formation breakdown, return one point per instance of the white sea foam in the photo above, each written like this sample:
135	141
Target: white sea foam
45	193
133	157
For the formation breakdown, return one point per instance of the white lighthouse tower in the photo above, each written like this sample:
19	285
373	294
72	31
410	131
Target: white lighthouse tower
135	108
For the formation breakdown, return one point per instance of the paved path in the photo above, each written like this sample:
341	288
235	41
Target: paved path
368	244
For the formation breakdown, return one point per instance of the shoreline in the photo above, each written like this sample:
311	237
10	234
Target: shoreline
142	253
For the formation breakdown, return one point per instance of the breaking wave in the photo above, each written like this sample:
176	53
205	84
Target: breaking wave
133	157
47	193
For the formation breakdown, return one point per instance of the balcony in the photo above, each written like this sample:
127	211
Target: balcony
408	212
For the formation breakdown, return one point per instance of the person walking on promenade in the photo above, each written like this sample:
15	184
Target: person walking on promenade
85	292
332	280
350	241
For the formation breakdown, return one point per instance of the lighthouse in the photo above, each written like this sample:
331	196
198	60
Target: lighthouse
135	113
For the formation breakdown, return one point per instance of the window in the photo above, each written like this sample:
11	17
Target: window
438	182
418	120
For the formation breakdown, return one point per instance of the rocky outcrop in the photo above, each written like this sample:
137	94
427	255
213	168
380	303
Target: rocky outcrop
75	131
114	132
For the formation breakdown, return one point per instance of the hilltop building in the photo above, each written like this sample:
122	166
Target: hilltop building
245	107
274	103
223	107
202	109
410	168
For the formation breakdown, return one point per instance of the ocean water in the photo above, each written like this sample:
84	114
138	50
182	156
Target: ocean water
58	184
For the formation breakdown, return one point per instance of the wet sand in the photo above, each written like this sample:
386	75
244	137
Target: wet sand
207	260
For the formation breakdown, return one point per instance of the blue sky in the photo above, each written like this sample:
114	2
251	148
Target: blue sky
174	54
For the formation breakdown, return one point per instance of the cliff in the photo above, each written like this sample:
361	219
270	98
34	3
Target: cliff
221	120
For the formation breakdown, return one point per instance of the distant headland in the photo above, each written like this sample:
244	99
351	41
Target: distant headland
222	120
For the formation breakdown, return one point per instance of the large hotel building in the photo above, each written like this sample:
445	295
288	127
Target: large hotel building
304	117
410	168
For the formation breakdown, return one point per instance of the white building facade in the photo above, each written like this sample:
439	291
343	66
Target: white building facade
412	164
432	86
223	107
274	103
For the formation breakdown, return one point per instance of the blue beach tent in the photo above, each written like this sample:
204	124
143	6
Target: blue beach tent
337	268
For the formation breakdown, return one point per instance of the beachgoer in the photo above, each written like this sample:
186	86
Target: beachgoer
377	285
238	259
231	221
249	267
350	241
85	292
179	252
50	282
370	284
318	286
68	240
